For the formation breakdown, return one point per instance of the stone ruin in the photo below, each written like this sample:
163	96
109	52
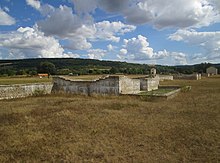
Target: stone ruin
111	85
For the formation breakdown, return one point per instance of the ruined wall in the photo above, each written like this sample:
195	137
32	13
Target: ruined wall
129	86
149	84
108	85
205	75
67	86
24	90
165	77
113	85
212	71
188	77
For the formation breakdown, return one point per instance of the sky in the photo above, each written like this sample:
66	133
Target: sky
166	32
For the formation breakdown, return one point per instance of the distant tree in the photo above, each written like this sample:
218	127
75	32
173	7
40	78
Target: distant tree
33	72
47	67
21	72
114	70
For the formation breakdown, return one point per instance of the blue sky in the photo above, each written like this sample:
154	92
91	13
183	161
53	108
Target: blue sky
140	31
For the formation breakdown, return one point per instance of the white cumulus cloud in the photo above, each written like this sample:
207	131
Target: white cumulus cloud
79	31
208	41
106	30
138	49
96	53
34	3
159	13
6	19
30	43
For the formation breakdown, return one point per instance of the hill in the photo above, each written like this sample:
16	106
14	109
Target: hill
89	66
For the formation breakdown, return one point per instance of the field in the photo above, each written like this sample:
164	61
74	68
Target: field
22	80
64	128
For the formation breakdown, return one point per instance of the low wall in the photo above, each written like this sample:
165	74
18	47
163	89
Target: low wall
188	77
165	77
205	75
108	85
24	90
112	85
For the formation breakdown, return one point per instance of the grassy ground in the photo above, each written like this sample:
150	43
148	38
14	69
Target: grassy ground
22	80
61	128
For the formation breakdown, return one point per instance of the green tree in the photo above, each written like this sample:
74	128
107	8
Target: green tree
47	67
114	70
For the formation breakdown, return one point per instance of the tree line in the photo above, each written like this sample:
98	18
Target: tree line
72	66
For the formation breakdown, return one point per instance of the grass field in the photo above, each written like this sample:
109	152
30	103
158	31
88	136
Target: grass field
22	80
61	128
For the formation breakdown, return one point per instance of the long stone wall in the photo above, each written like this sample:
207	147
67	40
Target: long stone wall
108	85
112	85
165	77
24	90
188	77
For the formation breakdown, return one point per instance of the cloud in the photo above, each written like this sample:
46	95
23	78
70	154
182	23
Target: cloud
106	30
63	24
72	55
159	13
113	5
30	43
34	3
6	9
84	6
208	41
96	53
138	49
79	31
60	22
6	19
184	14
110	47
216	4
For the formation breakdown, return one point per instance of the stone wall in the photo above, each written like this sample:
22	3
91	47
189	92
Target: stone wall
108	85
112	85
188	77
205	75
129	86
24	90
165	77
149	84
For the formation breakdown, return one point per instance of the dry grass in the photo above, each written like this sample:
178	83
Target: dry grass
22	80
63	128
